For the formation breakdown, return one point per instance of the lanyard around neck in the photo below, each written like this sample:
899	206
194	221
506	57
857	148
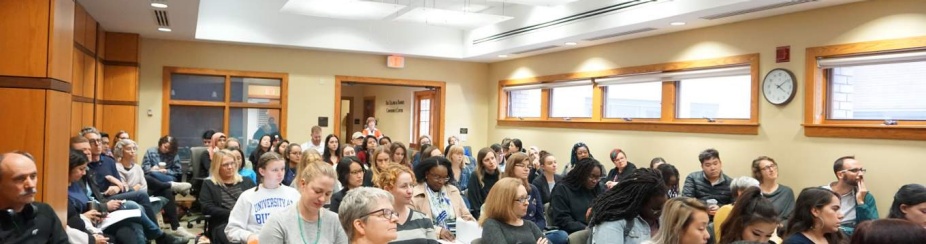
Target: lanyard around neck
318	228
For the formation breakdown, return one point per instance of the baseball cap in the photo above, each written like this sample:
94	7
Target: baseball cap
357	135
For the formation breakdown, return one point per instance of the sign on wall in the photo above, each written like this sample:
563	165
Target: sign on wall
395	106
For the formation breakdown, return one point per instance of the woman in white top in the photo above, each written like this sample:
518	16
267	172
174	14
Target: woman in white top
255	205
314	223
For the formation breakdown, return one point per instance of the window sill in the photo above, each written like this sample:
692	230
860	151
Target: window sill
719	127
897	132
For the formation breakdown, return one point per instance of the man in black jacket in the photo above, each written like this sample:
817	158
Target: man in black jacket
710	183
23	220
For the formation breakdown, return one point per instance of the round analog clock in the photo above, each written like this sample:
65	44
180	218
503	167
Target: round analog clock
779	86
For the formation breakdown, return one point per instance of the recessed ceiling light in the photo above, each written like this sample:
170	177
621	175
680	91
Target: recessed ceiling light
164	29
677	23
503	55
159	5
570	44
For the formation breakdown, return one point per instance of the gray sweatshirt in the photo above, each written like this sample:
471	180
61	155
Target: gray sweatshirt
283	227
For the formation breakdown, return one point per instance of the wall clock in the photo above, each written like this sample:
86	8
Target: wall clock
779	86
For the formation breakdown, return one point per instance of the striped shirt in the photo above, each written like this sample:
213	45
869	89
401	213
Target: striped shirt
417	229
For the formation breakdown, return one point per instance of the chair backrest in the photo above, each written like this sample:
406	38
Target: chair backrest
579	237
546	214
195	164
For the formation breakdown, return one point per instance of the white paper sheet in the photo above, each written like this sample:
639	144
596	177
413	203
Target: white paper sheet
119	215
154	199
467	231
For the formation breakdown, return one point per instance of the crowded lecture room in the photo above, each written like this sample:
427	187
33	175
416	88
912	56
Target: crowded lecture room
463	121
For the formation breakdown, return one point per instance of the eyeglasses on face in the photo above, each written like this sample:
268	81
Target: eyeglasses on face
384	213
439	179
856	170
523	200
96	141
770	167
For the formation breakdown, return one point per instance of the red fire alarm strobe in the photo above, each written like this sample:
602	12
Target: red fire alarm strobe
783	54
395	61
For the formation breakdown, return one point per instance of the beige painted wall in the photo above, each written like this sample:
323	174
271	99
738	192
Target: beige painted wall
803	161
311	81
395	125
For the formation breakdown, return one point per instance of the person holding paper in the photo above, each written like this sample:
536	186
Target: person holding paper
441	202
81	216
502	220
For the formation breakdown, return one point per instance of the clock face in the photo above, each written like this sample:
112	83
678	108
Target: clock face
779	86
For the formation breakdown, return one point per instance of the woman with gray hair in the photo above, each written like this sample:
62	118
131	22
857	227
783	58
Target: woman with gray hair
737	187
125	153
367	216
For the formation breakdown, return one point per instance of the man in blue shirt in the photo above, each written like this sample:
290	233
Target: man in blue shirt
103	171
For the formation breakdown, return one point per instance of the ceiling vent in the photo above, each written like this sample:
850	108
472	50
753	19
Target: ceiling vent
621	34
756	9
565	20
535	49
161	17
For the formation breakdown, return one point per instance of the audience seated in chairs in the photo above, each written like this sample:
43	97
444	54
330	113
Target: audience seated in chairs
292	156
487	173
753	219
350	175
519	168
628	212
24	220
171	172
816	218
683	221
571	199
910	204
549	178
438	200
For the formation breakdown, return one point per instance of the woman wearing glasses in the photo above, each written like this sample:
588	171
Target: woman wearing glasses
367	216
765	169
412	226
350	174
437	199
518	168
505	207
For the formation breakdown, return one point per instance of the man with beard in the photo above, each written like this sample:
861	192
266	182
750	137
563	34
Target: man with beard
23	220
856	204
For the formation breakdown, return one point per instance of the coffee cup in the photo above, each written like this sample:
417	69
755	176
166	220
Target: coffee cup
162	164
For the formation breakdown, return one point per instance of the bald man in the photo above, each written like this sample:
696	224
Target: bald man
23	220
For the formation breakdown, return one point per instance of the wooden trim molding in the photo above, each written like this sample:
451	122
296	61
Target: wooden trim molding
35	83
816	123
667	121
84	50
115	102
120	63
81	99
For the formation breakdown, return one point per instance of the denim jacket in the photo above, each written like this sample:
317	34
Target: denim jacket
613	232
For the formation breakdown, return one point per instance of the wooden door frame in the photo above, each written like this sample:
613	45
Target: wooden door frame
350	111
417	116
436	139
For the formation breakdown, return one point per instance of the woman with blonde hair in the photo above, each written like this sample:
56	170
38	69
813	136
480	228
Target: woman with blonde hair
412	226
502	220
684	221
314	223
220	193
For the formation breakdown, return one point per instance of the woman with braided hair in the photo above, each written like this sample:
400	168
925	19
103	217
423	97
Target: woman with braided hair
628	213
570	200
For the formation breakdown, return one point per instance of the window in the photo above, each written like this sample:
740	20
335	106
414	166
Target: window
571	102
243	105
867	90
716	97
635	100
673	97
524	103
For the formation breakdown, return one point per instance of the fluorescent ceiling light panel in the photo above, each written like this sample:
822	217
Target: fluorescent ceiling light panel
536	2
341	9
458	19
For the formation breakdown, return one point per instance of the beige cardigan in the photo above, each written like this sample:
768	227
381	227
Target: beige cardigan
421	203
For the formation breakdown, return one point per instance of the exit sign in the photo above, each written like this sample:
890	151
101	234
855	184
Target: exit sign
394	61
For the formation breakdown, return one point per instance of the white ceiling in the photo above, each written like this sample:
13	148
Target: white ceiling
427	28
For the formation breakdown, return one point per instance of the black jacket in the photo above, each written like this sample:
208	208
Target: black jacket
336	200
36	223
697	186
477	194
569	204
627	171
210	199
541	183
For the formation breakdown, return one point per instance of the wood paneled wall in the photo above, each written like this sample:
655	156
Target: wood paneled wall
36	42
56	77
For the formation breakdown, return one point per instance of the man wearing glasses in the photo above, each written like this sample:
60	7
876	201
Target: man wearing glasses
856	204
